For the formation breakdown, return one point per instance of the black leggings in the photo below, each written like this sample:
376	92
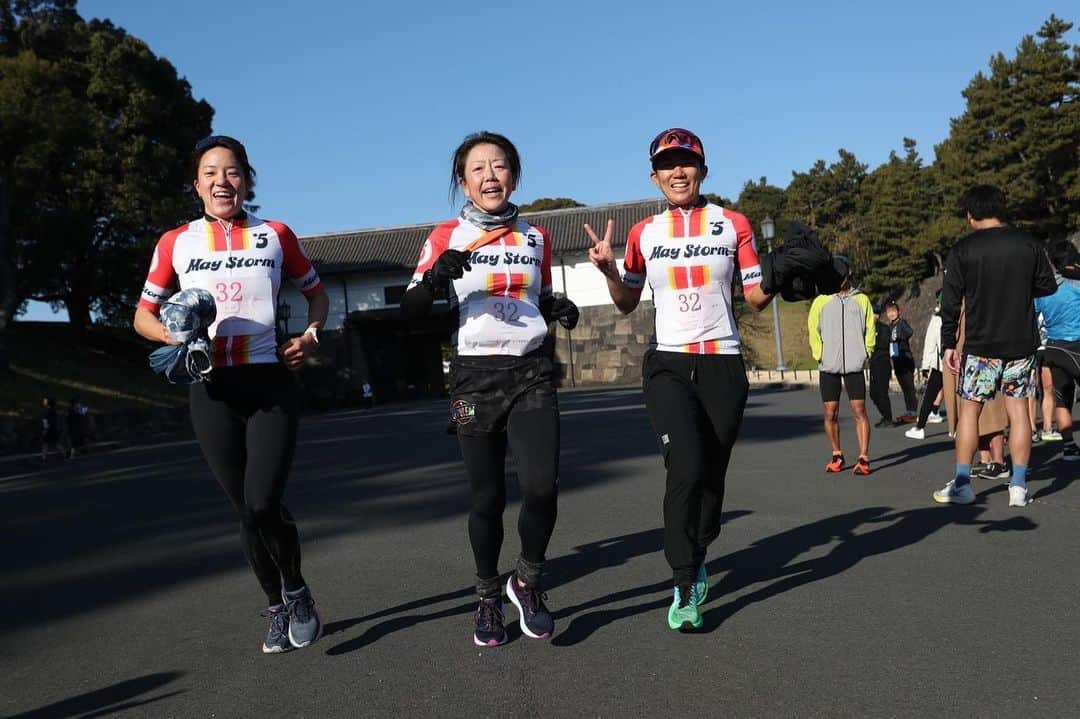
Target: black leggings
500	404
934	383
245	419
880	372
696	405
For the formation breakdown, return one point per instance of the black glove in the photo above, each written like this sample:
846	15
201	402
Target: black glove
801	256
451	265
561	309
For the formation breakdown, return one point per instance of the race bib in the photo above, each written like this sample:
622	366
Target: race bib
241	302
694	309
506	310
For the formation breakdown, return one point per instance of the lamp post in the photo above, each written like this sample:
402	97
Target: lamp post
768	231
284	313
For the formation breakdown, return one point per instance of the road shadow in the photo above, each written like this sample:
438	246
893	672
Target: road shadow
558	571
772	561
109	700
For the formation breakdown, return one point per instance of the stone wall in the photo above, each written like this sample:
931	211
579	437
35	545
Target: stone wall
607	346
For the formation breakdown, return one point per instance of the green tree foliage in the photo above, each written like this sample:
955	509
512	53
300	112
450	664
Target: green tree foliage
96	136
829	198
759	200
1021	131
550	203
900	199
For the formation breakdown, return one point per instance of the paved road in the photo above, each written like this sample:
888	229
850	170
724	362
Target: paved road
125	593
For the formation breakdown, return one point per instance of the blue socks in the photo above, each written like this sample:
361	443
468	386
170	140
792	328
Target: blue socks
963	475
1019	476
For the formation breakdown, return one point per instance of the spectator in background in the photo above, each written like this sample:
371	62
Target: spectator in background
841	329
50	428
931	369
1061	311
76	426
996	272
903	361
881	369
1044	394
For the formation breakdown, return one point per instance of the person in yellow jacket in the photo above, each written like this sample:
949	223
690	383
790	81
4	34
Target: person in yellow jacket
842	335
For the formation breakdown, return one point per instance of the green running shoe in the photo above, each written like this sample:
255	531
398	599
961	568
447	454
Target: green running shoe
701	584
683	613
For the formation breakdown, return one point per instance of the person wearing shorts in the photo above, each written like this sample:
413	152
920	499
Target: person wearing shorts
693	376
842	330
996	272
1061	312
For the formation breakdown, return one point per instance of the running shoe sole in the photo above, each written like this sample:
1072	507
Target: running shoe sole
490	643
521	612
275	649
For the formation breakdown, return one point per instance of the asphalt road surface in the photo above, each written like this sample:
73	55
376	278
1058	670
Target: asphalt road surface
124	591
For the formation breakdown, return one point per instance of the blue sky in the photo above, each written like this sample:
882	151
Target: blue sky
350	111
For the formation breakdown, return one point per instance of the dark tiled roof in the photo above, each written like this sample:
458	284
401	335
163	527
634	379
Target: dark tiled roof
396	248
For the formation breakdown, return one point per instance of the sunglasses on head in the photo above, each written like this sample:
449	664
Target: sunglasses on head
678	138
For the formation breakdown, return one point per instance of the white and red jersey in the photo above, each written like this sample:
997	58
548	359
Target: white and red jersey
690	258
242	265
498	300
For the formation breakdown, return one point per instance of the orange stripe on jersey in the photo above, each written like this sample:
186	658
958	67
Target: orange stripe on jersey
241	239
697	222
516	286
678	278
699	275
675	224
512	239
216	241
708	347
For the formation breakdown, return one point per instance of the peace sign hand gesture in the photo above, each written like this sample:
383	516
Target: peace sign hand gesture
601	254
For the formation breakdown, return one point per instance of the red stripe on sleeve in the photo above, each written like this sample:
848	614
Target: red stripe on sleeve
746	254
162	274
634	261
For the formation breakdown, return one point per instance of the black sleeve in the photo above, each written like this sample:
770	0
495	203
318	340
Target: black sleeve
417	302
903	330
1045	283
952	296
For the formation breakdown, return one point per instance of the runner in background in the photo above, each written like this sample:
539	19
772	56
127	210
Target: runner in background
931	368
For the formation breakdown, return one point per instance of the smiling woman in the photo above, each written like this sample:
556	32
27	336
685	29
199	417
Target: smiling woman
246	417
496	269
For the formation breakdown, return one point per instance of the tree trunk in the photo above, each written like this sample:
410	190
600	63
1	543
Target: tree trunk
8	293
78	308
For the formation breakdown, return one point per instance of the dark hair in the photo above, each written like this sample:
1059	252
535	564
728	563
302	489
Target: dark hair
457	164
892	303
1062	254
984	202
229	143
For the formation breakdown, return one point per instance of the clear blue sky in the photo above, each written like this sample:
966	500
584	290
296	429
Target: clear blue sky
350	111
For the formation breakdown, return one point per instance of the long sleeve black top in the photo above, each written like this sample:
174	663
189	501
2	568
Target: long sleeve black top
998	273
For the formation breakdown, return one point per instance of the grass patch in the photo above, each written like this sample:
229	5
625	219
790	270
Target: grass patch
105	369
759	345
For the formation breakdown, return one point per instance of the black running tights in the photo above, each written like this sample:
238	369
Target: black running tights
246	419
533	439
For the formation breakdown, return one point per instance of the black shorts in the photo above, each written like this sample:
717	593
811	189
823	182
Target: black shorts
483	390
1063	359
854	383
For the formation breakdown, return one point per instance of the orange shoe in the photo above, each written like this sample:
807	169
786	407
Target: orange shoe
862	466
836	464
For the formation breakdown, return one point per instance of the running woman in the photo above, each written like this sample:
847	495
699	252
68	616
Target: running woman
496	270
246	416
694	379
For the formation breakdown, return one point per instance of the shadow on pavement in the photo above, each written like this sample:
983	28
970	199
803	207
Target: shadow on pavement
559	571
110	700
770	561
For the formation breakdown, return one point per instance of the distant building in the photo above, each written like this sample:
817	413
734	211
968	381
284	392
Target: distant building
365	273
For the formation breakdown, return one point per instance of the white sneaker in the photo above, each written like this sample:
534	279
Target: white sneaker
951	494
1051	435
1017	496
916	433
934	418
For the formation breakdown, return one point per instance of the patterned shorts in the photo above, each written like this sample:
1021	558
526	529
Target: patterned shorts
983	377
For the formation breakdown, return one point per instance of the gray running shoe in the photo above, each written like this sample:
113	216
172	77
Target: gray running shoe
304	623
277	637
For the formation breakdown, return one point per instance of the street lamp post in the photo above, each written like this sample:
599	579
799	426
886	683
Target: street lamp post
768	231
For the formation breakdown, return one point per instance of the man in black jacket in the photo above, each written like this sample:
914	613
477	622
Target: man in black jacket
998	271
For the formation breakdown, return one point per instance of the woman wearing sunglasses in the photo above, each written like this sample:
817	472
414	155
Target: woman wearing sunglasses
246	416
496	270
694	379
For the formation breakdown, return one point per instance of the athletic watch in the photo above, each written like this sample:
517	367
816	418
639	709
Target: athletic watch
314	332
